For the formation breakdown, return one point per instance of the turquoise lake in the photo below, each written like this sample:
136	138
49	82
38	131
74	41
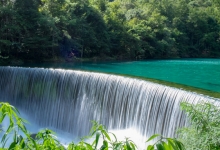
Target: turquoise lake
200	73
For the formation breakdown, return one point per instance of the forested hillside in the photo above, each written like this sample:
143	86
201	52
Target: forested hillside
39	30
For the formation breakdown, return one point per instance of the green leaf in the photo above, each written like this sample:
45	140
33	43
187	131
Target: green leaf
12	146
150	147
105	143
88	146
2	118
160	146
35	144
104	146
133	145
97	139
178	144
128	146
170	142
117	146
21	141
114	136
152	137
106	135
165	145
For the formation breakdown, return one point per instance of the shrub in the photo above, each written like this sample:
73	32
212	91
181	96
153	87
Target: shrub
204	130
165	143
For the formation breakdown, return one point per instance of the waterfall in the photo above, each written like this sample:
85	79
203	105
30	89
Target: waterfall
68	100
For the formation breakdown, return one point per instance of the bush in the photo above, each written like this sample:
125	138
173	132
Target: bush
204	130
165	143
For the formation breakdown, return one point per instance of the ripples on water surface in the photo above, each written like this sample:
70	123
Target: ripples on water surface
200	73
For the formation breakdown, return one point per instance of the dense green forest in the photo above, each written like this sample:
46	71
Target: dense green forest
39	30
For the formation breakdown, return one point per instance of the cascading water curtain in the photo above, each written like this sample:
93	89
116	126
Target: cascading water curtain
68	100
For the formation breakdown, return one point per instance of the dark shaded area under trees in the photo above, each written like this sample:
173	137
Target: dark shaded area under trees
39	30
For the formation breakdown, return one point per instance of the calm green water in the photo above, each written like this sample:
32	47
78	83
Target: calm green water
200	73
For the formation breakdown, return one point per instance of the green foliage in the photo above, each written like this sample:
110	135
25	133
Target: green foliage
109	140
103	140
44	139
204	130
165	143
15	124
203	133
42	29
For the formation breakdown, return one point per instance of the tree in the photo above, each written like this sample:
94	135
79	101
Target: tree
34	29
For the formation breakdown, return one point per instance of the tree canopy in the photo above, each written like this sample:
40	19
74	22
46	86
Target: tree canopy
122	29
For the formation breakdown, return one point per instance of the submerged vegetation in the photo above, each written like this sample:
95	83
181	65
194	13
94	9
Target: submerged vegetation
38	30
203	133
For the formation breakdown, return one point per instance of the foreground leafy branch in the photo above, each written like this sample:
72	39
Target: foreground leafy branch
165	143
204	130
46	140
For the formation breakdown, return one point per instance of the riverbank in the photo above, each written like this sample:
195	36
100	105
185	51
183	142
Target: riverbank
18	62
